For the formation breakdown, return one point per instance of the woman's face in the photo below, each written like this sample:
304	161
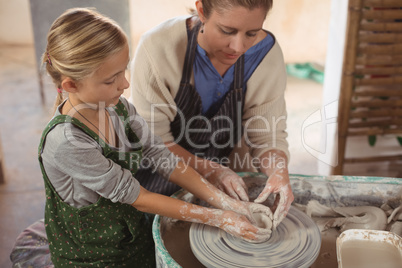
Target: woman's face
230	33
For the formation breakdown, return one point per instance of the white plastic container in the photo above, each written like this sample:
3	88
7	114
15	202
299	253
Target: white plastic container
369	249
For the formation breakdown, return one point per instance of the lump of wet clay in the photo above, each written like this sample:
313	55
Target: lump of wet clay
362	217
262	220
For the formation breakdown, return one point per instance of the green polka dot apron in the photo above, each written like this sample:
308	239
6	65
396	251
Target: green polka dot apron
103	234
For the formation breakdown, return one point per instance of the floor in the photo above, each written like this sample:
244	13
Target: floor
22	118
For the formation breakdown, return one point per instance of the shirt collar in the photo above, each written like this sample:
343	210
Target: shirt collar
267	41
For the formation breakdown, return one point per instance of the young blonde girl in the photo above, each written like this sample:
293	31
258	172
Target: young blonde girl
96	211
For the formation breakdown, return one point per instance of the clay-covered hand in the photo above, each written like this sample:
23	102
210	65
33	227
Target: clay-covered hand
239	226
250	209
228	181
278	183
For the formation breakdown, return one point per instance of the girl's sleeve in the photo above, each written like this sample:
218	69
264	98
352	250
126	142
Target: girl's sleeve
79	160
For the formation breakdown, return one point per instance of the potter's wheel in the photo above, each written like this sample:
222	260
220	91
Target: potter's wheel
296	242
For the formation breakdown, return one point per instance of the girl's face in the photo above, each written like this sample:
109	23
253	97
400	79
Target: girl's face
230	33
108	82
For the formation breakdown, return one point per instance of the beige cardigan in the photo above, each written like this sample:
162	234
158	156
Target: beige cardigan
156	72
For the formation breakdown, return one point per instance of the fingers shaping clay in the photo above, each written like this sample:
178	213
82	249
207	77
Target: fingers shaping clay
262	220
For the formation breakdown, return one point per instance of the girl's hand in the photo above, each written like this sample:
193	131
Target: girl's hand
278	183
248	209
228	181
239	226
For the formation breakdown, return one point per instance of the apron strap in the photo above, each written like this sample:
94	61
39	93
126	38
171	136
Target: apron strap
190	54
59	119
122	112
239	73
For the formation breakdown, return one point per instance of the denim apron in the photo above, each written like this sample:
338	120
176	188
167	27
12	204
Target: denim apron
216	136
103	234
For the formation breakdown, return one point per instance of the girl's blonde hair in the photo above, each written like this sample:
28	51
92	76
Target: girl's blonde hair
78	42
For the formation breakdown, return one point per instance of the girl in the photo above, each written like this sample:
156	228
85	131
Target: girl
91	149
227	86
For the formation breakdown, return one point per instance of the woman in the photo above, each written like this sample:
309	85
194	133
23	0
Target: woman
205	82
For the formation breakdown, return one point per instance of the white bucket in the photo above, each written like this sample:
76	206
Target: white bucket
369	248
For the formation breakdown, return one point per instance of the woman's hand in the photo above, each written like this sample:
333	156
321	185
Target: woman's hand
228	181
274	165
239	226
278	183
220	176
248	209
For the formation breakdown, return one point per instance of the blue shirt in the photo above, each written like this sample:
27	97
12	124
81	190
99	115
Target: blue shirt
212	87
